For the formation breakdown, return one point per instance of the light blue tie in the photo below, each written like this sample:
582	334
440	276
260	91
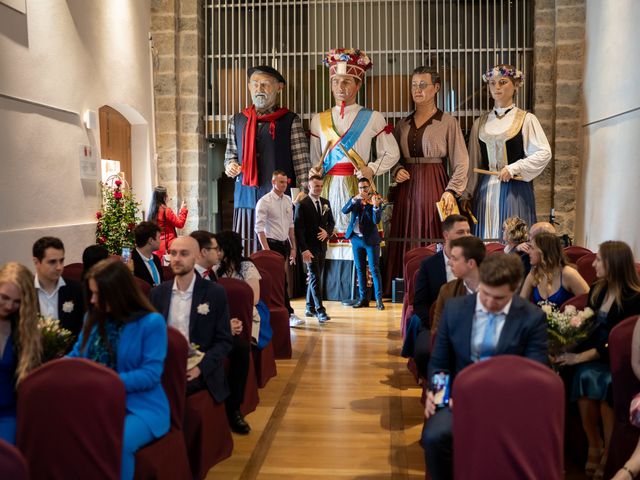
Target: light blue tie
488	344
154	272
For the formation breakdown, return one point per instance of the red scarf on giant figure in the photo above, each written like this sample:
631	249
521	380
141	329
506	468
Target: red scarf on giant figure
249	163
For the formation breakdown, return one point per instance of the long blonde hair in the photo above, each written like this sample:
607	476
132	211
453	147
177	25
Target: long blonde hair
620	275
24	322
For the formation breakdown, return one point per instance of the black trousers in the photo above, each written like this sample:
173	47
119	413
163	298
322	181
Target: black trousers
422	350
437	441
314	286
238	372
283	248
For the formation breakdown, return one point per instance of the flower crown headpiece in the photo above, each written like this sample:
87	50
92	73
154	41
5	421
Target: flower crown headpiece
347	61
502	71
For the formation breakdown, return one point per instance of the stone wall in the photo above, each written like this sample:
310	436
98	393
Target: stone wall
559	42
177	29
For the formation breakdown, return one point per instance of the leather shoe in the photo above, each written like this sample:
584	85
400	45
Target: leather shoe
238	424
310	312
379	305
323	317
361	304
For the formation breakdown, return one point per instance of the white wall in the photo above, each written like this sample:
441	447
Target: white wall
609	195
76	55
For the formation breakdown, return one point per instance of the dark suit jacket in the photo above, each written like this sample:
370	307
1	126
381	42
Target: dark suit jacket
431	276
524	334
140	269
307	222
454	288
210	331
368	218
71	292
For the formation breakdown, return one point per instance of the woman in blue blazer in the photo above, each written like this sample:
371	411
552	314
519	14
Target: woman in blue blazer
122	331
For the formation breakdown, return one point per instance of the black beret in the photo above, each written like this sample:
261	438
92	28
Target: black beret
268	70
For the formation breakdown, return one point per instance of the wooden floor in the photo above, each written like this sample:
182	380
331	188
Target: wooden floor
345	406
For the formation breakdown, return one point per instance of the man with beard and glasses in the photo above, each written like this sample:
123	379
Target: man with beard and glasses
261	139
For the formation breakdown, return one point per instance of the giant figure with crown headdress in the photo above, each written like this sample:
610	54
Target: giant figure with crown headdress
342	138
262	138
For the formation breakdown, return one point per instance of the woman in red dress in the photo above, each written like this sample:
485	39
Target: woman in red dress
166	219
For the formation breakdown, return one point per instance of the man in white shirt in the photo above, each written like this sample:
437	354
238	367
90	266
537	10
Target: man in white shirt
198	309
276	231
147	265
59	298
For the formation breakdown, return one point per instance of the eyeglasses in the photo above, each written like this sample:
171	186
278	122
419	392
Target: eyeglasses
420	86
212	248
365	189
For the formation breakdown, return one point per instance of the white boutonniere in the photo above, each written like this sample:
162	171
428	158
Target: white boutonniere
325	209
203	308
67	307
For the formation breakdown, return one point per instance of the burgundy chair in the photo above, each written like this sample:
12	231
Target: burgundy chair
143	286
575	253
625	385
411	274
273	263
494	248
585	268
579	301
166	458
264	360
12	464
73	271
167	273
240	299
422	252
71	420
508	421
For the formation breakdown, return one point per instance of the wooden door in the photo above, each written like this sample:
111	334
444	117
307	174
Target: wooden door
115	139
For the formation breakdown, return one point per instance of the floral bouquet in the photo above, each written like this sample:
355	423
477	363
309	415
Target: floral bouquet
352	56
56	341
194	357
568	328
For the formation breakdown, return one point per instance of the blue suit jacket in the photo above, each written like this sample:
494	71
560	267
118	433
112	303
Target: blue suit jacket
524	334
210	331
368	218
431	276
141	352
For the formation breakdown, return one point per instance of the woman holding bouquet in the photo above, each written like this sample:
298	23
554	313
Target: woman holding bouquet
123	332
614	297
20	345
551	280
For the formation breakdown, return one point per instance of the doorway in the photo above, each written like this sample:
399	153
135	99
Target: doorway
115	144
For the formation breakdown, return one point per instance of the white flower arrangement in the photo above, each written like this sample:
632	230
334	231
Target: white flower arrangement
325	209
567	328
203	309
67	307
56	341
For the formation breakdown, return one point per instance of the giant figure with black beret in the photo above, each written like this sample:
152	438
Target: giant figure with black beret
261	139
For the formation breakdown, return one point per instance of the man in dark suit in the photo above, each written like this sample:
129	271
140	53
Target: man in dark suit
314	225
434	273
366	213
198	309
59	298
147	265
495	321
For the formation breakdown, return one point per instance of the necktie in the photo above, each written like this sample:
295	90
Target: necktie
488	344
205	274
318	208
154	271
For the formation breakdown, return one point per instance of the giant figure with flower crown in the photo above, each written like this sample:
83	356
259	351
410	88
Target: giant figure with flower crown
342	139
262	138
510	143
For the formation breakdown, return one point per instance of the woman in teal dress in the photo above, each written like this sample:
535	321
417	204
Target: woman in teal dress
122	331
551	280
20	345
614	297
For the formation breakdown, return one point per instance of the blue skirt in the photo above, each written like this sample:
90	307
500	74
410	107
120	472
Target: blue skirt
495	201
591	380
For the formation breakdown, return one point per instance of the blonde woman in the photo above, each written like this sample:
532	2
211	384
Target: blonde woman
20	345
551	279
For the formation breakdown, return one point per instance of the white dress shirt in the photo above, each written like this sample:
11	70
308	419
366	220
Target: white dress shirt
180	308
447	267
274	216
49	301
480	323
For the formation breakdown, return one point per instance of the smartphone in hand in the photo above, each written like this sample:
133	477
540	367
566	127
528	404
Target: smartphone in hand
125	255
441	389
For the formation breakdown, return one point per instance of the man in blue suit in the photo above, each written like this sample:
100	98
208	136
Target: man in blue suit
366	213
495	321
198	309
